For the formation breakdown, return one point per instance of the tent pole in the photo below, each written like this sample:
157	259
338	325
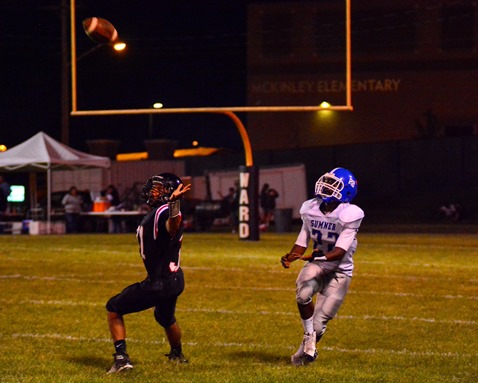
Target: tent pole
33	190
48	205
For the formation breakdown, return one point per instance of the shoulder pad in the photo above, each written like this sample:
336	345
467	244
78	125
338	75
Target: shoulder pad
351	213
306	206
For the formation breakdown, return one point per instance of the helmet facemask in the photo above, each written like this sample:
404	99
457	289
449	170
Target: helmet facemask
158	189
329	188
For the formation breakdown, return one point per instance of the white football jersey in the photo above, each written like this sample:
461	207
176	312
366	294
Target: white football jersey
337	228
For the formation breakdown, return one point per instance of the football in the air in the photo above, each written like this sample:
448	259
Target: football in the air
100	30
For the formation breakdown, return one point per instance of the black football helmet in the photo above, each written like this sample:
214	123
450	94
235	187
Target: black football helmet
164	185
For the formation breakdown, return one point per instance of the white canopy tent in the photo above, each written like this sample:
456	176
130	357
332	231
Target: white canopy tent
41	153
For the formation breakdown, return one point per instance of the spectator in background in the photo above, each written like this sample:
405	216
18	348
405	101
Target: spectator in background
268	198
262	199
3	202
228	202
229	197
73	203
87	200
4	193
235	207
112	195
451	211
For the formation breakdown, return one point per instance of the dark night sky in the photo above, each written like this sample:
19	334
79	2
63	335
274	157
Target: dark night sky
184	54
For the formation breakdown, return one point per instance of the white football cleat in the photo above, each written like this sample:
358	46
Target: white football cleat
307	351
310	351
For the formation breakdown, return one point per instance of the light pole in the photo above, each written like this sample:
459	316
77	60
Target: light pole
70	65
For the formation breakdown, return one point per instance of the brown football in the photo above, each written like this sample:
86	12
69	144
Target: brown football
100	30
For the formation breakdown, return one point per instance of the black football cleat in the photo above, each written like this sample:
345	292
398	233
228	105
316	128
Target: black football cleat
177	356
121	363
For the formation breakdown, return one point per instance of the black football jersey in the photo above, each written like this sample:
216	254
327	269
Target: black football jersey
160	251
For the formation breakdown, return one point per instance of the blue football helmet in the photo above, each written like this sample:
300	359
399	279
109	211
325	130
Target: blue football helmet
337	185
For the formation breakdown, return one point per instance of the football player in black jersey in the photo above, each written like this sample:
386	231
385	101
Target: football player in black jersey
159	236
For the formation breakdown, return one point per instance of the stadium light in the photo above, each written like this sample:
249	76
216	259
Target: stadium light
119	46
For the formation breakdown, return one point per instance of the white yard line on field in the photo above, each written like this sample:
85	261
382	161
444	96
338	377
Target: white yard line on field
255	312
251	288
404	352
55	278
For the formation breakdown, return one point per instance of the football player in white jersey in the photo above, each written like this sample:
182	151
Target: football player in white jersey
331	222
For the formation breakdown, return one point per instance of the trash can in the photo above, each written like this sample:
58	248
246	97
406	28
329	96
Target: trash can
282	220
26	226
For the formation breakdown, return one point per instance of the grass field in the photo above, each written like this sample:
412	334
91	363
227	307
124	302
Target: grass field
411	314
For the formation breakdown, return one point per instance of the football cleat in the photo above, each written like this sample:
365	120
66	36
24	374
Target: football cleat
302	359
307	351
310	351
121	363
177	356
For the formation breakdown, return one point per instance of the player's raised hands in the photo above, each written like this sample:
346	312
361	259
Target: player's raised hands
179	192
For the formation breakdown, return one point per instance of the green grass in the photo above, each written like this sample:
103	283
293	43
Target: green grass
411	314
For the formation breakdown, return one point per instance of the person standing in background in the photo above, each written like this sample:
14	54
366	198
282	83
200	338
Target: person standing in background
113	197
268	198
228	202
73	203
4	193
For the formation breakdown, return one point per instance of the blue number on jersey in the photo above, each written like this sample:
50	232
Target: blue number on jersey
318	241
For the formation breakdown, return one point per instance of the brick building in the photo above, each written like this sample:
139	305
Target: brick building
413	70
